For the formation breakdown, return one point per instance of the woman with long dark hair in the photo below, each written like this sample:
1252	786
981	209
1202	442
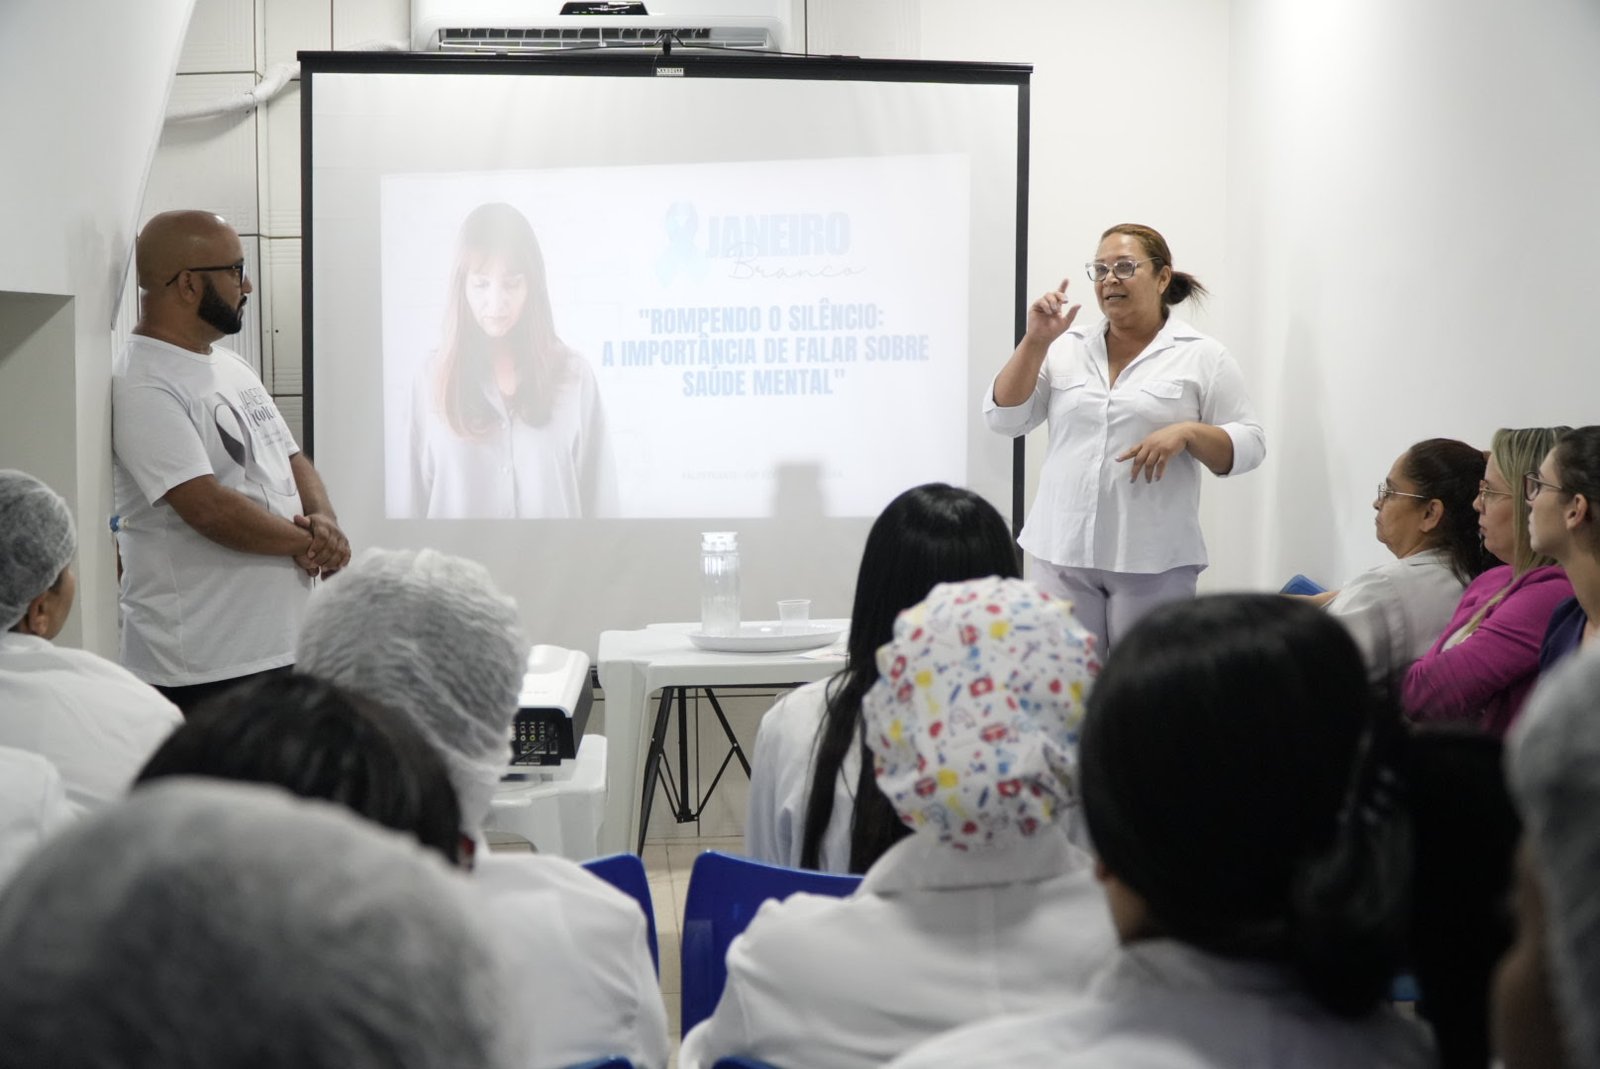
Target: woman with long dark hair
506	420
813	802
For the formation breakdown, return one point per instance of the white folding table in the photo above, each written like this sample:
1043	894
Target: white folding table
633	665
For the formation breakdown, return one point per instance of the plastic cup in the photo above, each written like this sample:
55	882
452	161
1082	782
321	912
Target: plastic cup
794	615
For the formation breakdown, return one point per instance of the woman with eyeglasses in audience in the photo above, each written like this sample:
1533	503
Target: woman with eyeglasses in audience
1563	497
1484	663
1425	517
1137	404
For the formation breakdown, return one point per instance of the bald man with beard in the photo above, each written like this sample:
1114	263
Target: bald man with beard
224	523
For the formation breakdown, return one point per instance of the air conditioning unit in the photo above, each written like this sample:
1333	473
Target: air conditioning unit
552	25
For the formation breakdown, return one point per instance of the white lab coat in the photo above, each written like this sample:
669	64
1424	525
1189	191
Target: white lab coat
91	718
1161	1004
33	807
580	954
780	783
1398	610
934	938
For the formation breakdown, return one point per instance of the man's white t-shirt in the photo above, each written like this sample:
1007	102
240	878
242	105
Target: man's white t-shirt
194	611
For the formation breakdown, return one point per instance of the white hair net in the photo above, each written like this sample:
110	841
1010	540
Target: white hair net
428	635
1554	764
37	541
204	924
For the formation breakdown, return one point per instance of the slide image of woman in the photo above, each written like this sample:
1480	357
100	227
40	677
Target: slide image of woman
506	420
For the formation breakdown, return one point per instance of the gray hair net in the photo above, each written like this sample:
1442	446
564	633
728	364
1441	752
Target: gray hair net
203	924
1554	765
428	635
37	541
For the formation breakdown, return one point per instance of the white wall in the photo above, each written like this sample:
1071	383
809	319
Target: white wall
1412	225
1128	122
83	109
1372	191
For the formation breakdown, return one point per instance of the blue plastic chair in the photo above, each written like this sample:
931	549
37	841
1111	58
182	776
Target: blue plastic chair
626	873
724	893
1404	989
1301	585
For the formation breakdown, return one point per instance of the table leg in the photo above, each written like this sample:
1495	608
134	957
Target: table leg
652	761
626	719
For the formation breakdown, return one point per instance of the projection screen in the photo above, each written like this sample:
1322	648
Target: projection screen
564	313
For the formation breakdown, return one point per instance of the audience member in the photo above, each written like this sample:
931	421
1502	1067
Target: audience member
813	801
1563	498
1482	666
1426	519
1547	989
89	717
1238	785
1465	833
428	636
988	907
208	924
317	741
33	806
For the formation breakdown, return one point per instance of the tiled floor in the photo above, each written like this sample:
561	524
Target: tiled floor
668	864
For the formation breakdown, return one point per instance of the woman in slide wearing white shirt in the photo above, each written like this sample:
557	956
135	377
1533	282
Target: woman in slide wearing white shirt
506	421
813	803
1237	780
1136	403
1427	520
987	907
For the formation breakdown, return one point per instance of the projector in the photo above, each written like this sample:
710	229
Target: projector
552	709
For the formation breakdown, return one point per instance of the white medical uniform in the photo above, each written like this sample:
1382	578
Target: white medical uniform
1161	1004
33	807
934	938
89	717
1088	513
780	783
584	975
1398	610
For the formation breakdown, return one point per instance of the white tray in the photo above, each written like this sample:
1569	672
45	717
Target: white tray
768	637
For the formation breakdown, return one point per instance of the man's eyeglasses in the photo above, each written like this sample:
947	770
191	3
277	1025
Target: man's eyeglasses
1386	491
1485	492
1532	484
1123	268
237	269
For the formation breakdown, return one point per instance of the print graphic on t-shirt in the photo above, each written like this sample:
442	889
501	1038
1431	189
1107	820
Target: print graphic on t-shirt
248	428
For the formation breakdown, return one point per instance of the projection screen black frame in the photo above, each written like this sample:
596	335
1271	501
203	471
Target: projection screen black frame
654	65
